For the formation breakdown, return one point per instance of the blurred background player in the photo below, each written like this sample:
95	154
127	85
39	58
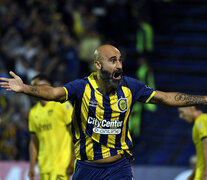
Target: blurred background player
195	115
144	74
51	137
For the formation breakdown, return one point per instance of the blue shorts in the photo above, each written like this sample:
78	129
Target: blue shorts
118	170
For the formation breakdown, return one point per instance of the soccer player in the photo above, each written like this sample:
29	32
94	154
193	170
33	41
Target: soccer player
51	137
102	105
195	115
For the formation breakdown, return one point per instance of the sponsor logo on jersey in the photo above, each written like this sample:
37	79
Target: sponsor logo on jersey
44	127
106	131
93	103
103	127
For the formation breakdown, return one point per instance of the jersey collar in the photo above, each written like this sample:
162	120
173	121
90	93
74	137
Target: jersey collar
92	80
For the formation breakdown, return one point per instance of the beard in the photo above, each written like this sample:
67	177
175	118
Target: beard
107	77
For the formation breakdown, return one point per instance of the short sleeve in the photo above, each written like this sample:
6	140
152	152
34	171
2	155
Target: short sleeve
201	126
73	89
140	91
68	110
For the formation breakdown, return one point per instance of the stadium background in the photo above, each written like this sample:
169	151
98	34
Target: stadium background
58	37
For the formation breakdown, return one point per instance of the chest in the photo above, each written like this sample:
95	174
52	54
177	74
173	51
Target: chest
96	104
47	118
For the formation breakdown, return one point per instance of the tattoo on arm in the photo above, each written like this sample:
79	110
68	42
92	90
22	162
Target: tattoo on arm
156	100
190	99
35	90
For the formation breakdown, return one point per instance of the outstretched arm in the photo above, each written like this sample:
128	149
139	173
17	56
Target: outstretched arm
177	99
44	92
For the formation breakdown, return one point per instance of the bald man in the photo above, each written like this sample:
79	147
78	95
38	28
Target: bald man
102	105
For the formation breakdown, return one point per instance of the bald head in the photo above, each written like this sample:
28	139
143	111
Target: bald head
108	63
105	51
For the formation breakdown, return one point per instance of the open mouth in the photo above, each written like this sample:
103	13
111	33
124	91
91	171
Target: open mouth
117	75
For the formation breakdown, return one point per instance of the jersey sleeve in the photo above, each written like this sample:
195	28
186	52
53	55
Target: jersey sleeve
73	88
201	125
140	91
31	122
68	110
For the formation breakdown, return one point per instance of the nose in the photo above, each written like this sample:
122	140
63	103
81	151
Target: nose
119	65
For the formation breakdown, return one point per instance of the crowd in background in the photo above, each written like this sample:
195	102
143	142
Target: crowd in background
57	38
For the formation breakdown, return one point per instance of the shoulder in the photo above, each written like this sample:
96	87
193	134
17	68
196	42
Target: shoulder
202	118
75	88
33	108
201	121
34	111
77	83
67	105
128	79
131	82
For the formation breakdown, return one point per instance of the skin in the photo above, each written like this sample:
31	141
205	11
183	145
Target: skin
33	153
38	82
109	58
190	114
205	158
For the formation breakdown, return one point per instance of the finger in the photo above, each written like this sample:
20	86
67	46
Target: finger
5	87
12	74
3	83
4	79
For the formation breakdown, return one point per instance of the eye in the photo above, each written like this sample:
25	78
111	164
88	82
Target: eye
113	60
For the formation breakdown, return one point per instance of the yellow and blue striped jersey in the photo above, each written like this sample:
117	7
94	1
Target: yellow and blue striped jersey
50	125
199	132
100	121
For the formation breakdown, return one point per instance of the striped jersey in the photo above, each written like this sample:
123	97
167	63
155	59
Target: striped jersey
100	121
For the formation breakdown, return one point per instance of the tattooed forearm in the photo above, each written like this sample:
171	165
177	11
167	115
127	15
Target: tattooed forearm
45	92
35	90
176	99
190	99
156	100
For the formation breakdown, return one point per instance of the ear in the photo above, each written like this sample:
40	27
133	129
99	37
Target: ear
97	64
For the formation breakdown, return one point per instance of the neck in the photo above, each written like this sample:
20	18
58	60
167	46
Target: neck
102	85
198	113
43	103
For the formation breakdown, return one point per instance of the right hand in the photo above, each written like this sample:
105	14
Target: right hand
31	174
12	84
